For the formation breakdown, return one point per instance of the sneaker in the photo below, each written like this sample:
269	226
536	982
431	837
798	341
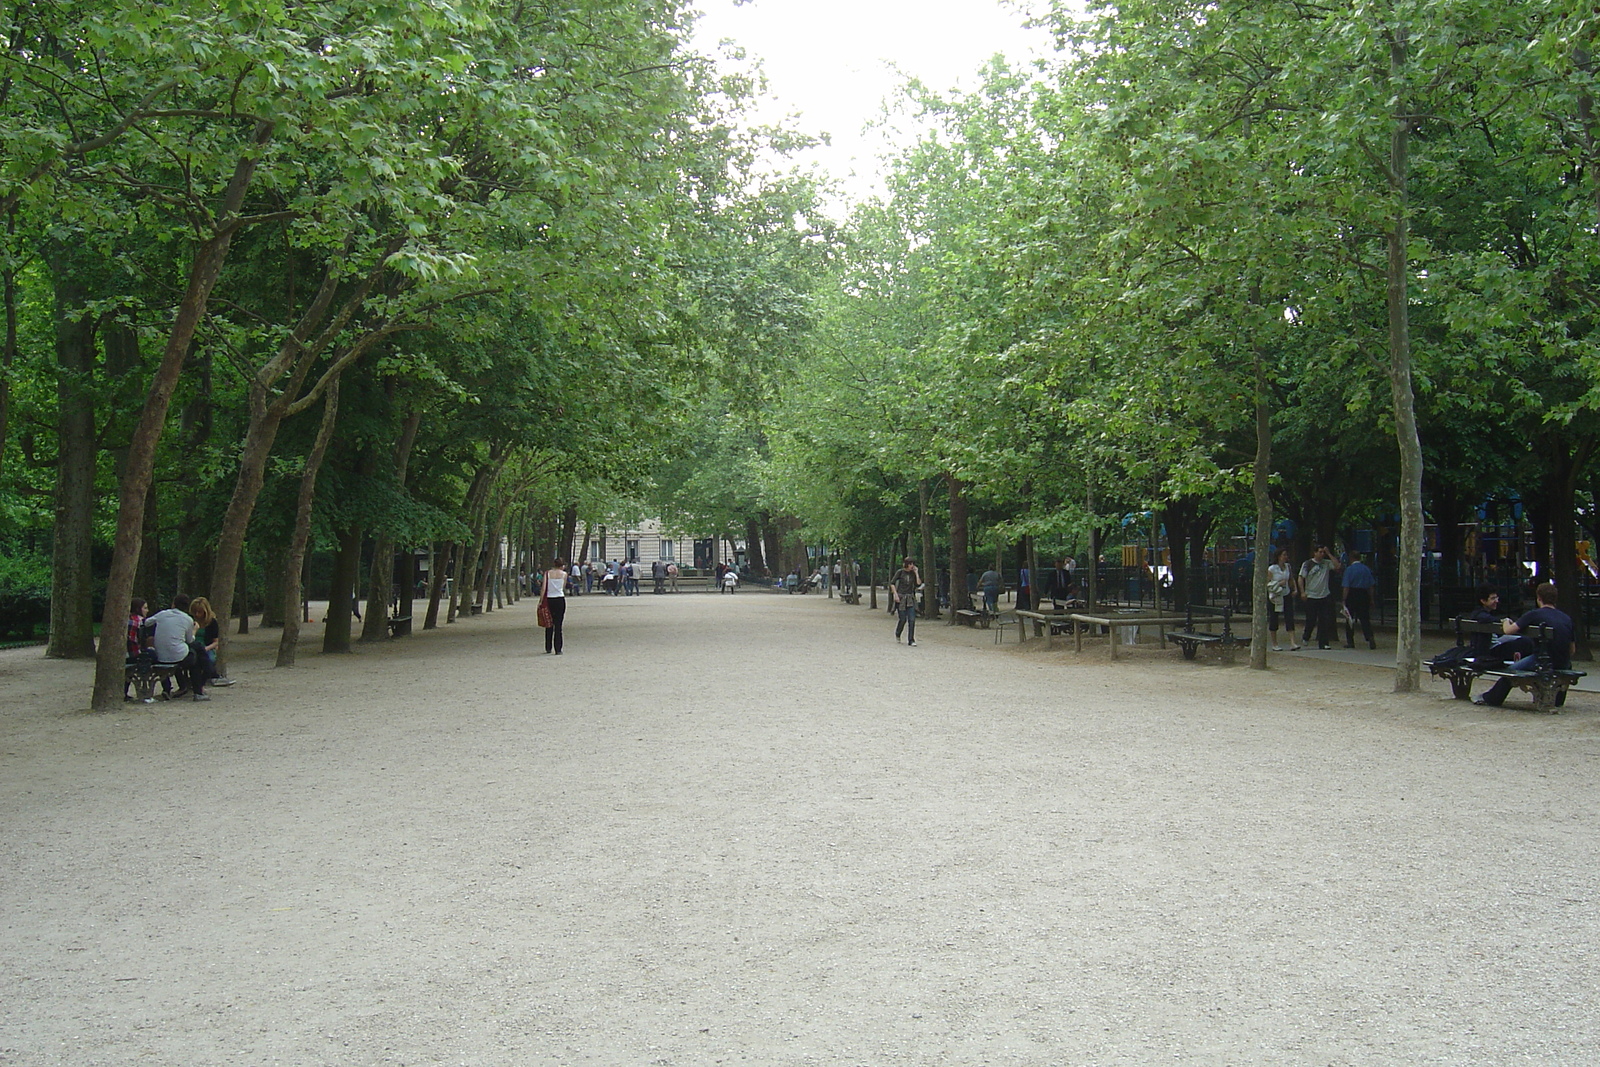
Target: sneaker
911	644
1322	648
223	682
1294	648
1277	648
183	691
202	696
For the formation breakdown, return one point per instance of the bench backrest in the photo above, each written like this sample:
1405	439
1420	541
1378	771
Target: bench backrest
1542	635
1206	609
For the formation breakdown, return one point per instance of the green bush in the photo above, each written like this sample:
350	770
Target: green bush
24	594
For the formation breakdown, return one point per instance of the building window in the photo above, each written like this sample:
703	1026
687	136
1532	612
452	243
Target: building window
633	550
667	549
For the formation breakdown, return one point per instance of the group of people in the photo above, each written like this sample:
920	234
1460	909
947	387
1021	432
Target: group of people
1313	585
621	577
186	635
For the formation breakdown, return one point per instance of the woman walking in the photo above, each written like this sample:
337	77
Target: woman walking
553	594
907	581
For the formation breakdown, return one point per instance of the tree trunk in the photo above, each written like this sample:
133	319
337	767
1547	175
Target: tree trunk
71	570
341	593
569	531
930	573
1569	463
437	573
754	556
1408	645
960	600
1261	490
242	596
295	553
772	545
495	560
8	344
381	579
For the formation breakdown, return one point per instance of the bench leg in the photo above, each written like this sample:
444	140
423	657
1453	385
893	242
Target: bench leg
1189	649
1461	688
1111	631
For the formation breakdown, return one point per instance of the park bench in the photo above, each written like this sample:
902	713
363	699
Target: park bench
851	596
1190	640
978	620
399	625
144	674
1546	683
1461	671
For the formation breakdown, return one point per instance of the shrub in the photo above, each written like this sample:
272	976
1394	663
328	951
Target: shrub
24	594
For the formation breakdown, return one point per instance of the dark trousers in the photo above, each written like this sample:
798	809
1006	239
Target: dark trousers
1287	614
552	633
1319	616
1359	601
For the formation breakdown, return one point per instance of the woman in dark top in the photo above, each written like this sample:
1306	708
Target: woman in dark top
207	636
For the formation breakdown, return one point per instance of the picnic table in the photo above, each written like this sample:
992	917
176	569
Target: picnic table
1113	622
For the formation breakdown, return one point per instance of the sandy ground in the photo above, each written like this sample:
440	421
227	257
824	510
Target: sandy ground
755	829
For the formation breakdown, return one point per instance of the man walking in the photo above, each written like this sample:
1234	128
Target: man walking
1316	592
1358	585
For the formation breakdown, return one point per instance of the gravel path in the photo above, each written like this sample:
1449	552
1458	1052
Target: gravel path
754	829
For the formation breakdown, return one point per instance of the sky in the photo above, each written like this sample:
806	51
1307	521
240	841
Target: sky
829	60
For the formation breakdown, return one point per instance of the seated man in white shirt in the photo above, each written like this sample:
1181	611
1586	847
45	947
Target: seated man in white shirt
174	628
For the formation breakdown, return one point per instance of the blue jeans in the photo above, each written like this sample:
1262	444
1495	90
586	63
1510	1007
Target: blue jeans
908	624
1496	694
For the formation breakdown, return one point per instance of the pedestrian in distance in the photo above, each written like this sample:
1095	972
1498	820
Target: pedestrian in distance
553	594
907	581
1359	583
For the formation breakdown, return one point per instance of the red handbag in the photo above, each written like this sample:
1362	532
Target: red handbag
544	613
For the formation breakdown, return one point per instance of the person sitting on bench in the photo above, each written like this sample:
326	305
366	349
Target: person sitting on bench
174	629
1546	614
1487	646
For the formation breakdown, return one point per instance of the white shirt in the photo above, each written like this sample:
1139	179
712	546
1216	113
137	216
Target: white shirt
1277	583
555	586
171	640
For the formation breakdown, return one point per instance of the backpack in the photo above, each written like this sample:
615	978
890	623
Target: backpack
1456	656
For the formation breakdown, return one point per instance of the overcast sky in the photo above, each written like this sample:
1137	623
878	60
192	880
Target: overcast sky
830	60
